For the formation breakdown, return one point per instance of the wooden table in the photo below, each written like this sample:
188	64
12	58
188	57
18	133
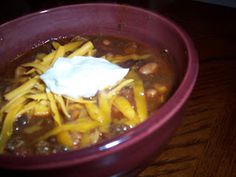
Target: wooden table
205	143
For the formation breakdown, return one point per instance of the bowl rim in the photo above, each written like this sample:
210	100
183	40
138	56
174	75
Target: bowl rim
175	102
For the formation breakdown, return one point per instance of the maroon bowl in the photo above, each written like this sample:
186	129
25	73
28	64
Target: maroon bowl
127	154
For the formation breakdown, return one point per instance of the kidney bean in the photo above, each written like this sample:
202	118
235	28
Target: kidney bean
149	68
161	88
106	42
151	93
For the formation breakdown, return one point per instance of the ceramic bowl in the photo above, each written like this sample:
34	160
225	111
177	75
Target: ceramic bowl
129	153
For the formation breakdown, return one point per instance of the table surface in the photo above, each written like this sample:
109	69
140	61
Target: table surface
205	143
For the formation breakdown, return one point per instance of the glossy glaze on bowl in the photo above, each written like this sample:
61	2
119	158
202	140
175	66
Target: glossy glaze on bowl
128	153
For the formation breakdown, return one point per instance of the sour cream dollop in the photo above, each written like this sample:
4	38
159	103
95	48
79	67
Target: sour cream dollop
82	76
